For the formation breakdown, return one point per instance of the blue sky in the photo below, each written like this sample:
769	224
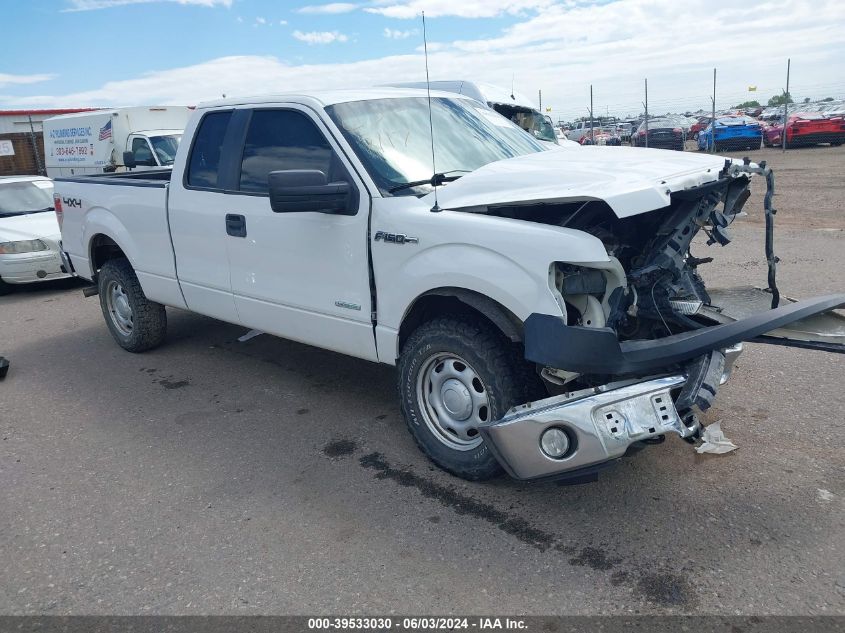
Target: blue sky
126	52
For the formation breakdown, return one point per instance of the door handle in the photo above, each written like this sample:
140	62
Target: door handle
235	225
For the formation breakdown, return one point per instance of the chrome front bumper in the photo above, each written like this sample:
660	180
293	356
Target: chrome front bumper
24	268
601	424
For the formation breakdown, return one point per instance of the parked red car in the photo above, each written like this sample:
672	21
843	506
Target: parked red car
806	128
695	128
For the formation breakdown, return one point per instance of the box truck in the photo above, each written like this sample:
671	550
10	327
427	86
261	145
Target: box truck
102	141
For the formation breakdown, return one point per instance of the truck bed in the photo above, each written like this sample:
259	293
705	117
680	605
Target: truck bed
132	207
146	178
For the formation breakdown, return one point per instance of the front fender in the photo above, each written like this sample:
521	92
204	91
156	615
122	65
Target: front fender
474	268
462	267
504	259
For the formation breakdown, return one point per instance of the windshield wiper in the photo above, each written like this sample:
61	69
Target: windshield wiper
435	181
11	214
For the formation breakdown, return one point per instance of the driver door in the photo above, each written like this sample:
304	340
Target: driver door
301	275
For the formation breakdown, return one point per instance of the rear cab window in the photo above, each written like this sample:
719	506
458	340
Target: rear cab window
204	162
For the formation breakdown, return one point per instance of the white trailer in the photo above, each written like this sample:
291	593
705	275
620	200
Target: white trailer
101	141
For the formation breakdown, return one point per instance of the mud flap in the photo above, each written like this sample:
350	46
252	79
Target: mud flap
824	331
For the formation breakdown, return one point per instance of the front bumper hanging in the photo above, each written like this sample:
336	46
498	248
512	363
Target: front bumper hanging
549	341
601	424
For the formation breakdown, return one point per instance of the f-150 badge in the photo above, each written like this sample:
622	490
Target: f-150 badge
395	238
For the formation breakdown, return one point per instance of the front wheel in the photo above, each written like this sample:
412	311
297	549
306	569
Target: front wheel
135	322
5	288
455	374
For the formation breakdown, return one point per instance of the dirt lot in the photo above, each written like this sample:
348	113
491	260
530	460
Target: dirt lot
213	476
810	186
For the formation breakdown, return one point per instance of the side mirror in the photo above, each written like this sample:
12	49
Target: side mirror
129	160
304	190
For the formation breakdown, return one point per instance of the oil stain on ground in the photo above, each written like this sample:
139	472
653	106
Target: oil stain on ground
339	448
460	503
172	384
665	589
595	558
166	381
671	590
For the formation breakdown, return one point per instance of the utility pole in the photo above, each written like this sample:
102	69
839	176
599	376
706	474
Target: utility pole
540	97
645	104
38	164
592	138
713	121
785	108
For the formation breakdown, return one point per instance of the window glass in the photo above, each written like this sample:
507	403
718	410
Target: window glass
165	147
283	139
142	152
28	196
392	138
205	155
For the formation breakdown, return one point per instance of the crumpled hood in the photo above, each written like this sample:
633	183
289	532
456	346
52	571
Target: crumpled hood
30	227
631	180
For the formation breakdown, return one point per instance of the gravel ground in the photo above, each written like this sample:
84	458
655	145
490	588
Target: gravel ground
212	476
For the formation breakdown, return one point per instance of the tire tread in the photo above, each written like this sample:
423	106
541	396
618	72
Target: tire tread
515	381
149	326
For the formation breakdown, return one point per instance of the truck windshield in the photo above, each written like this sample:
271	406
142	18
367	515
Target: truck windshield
392	138
21	198
165	147
536	124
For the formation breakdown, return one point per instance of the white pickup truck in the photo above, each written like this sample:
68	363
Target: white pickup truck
542	306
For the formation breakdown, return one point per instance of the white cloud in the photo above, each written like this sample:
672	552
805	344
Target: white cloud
259	21
92	5
459	8
561	52
320	37
283	22
332	8
8	80
395	34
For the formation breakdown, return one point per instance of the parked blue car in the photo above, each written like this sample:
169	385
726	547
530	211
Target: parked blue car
731	132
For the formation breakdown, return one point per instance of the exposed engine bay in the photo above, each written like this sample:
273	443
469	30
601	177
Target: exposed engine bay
655	290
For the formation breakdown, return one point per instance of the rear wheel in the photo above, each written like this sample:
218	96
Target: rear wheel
135	322
456	373
5	288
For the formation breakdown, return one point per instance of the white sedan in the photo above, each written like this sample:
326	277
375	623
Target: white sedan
29	232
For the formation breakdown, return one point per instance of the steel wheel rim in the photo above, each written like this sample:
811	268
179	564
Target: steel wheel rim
120	310
453	400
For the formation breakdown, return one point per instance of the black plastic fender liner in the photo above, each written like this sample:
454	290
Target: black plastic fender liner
550	342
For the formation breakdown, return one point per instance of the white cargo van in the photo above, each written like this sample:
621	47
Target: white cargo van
104	140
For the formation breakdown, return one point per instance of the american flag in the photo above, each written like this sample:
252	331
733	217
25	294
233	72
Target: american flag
105	131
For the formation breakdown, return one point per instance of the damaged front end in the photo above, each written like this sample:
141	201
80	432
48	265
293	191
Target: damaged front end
644	345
